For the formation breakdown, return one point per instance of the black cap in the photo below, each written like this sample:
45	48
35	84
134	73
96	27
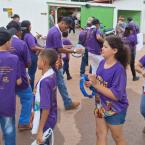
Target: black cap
5	35
15	24
96	21
130	27
68	20
15	16
129	18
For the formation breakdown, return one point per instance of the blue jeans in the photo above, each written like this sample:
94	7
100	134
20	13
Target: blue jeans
66	67
84	61
62	88
134	54
8	129
26	99
32	69
142	104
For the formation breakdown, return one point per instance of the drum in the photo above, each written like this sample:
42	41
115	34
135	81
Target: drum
41	42
77	46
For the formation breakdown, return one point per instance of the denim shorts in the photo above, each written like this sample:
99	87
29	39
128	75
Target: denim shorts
116	119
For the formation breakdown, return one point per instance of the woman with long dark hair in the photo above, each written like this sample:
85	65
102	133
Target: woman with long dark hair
129	41
33	49
111	99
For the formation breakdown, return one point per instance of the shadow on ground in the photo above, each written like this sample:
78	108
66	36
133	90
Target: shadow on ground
132	128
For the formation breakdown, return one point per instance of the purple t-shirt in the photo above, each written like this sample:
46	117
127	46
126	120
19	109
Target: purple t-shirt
66	42
54	40
115	79
135	29
48	100
129	41
30	41
93	45
142	61
20	48
82	35
9	73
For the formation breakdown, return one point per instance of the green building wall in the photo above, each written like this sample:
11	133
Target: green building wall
104	14
136	15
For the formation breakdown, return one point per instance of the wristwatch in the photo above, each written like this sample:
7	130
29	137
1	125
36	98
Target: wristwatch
75	50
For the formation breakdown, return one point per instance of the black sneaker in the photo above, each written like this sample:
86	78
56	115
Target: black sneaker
69	78
135	78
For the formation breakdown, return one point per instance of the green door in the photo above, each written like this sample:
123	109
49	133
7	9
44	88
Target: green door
104	14
134	14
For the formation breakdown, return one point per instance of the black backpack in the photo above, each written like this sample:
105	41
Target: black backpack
84	39
100	43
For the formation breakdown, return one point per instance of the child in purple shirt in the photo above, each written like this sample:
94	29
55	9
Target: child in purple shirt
67	56
111	100
9	76
130	42
31	42
140	68
46	93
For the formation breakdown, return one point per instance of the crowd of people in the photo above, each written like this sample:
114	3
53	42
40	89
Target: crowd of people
109	59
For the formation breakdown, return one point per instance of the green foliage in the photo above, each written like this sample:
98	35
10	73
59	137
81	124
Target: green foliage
63	12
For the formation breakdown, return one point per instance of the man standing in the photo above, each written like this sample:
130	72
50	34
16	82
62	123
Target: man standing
93	39
135	27
54	41
51	19
73	17
24	91
16	17
82	41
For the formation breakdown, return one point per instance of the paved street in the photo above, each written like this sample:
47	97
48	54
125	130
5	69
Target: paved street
77	127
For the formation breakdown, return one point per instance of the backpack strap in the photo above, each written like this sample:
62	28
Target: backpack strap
100	43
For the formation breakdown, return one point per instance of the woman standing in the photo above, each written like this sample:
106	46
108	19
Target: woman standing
33	49
111	100
129	41
120	27
73	17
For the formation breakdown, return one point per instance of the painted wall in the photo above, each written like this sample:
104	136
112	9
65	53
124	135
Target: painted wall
27	10
31	10
130	5
104	14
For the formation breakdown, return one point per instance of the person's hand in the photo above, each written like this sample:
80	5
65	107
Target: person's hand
88	84
93	79
38	36
117	27
80	51
143	73
39	138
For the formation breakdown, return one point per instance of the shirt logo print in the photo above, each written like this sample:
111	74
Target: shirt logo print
5	79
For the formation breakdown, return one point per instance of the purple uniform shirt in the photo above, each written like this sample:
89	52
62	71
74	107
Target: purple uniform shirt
129	41
115	79
66	42
54	40
93	45
30	41
142	61
48	100
135	29
20	48
9	73
82	35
